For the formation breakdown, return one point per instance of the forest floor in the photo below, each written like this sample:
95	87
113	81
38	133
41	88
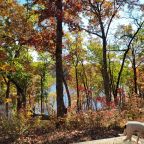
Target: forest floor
37	131
60	136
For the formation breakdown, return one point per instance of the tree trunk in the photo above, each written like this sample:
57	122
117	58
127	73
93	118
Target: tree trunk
85	83
86	93
7	96
21	100
21	93
111	77
134	71
77	86
67	91
61	110
42	108
105	72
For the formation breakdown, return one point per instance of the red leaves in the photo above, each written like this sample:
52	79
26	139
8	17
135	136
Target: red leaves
43	41
48	14
81	88
67	57
120	90
103	101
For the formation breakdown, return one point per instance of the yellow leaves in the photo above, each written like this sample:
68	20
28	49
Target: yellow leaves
29	113
16	22
37	121
108	5
9	1
108	10
7	67
33	18
8	100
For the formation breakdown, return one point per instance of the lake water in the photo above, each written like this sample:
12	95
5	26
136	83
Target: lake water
95	105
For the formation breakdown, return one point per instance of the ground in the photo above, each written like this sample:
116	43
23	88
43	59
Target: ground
60	136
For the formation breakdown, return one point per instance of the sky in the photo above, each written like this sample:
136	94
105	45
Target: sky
22	1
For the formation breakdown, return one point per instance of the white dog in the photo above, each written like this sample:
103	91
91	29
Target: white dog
134	127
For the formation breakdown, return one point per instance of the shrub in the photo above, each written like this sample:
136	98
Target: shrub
16	125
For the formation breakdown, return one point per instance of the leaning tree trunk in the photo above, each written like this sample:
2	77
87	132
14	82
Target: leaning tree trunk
124	57
61	110
67	91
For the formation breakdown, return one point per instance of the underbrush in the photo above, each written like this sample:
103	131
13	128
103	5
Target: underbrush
24	125
133	109
17	125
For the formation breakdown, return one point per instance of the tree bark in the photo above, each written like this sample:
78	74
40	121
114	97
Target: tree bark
21	100
61	110
111	76
42	108
7	96
67	91
134	71
105	72
77	86
21	92
85	83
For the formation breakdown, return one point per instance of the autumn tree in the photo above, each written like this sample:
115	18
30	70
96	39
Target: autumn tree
45	80
16	30
52	13
100	15
129	36
74	47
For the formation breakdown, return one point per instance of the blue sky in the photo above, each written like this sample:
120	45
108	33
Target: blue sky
22	1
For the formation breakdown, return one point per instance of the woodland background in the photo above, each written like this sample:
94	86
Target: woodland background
70	70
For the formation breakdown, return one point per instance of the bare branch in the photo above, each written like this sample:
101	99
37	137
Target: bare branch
90	32
111	19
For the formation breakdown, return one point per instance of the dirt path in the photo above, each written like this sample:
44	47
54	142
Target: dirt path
116	140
